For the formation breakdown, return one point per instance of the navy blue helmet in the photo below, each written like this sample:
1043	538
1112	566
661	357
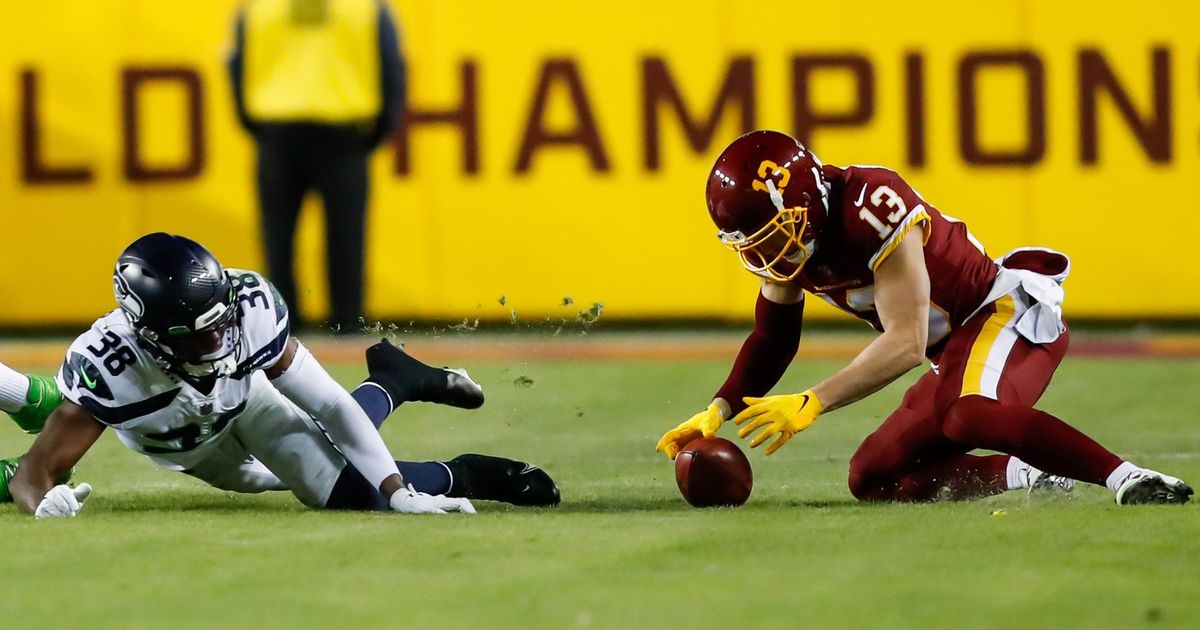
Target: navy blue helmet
181	303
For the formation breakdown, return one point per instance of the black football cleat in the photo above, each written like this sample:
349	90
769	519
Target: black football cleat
406	379
500	479
1149	487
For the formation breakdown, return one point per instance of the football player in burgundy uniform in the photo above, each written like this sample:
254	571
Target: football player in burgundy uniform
198	371
863	240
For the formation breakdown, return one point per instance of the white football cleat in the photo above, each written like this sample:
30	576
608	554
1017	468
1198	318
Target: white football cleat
1043	484
1145	486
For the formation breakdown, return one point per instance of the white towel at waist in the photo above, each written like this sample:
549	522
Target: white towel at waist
1038	296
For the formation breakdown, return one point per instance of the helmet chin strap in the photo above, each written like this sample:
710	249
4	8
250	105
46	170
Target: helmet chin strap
776	195
821	186
804	250
807	248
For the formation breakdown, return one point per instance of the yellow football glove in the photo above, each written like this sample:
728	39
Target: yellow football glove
704	424
784	415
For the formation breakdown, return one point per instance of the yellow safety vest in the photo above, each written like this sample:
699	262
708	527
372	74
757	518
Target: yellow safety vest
311	60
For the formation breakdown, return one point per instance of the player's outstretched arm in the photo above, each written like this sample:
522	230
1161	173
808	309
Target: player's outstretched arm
70	431
761	362
902	301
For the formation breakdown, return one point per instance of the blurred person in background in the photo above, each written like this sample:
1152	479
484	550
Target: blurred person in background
318	84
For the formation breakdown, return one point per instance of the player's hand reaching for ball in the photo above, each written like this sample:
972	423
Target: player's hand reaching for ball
784	416
704	424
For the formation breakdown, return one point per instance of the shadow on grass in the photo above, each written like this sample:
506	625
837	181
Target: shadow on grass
214	501
616	505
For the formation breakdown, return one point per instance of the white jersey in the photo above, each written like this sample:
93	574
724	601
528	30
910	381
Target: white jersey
155	411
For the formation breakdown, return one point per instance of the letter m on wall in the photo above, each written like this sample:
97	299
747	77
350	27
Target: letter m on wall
659	88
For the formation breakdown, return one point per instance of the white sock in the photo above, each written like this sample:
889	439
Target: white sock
14	386
1119	474
1018	473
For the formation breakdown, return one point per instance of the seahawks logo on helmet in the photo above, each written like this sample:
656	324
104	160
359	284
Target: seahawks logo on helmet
129	301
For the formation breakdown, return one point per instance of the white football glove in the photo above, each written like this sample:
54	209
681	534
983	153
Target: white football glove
408	501
63	500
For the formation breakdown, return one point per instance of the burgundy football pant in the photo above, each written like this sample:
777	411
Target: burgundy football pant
980	397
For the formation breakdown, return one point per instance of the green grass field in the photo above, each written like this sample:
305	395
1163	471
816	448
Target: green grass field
158	549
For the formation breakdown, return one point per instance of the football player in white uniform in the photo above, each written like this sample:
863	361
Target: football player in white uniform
198	370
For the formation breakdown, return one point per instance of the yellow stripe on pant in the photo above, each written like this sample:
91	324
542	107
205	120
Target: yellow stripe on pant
990	351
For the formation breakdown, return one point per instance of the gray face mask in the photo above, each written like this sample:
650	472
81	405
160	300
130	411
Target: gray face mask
222	361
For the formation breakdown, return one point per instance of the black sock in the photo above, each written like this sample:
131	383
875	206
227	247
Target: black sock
352	491
401	375
375	400
427	477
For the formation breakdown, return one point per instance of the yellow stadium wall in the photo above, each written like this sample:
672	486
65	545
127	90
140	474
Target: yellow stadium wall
116	119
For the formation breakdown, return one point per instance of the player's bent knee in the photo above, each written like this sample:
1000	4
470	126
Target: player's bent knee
870	486
240	480
962	422
251	484
862	488
866	481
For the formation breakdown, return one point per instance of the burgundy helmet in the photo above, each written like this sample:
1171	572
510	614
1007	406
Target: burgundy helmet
768	198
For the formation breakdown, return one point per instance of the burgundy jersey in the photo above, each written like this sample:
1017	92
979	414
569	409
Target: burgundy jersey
870	209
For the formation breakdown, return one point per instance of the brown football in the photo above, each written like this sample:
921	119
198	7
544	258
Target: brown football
713	471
